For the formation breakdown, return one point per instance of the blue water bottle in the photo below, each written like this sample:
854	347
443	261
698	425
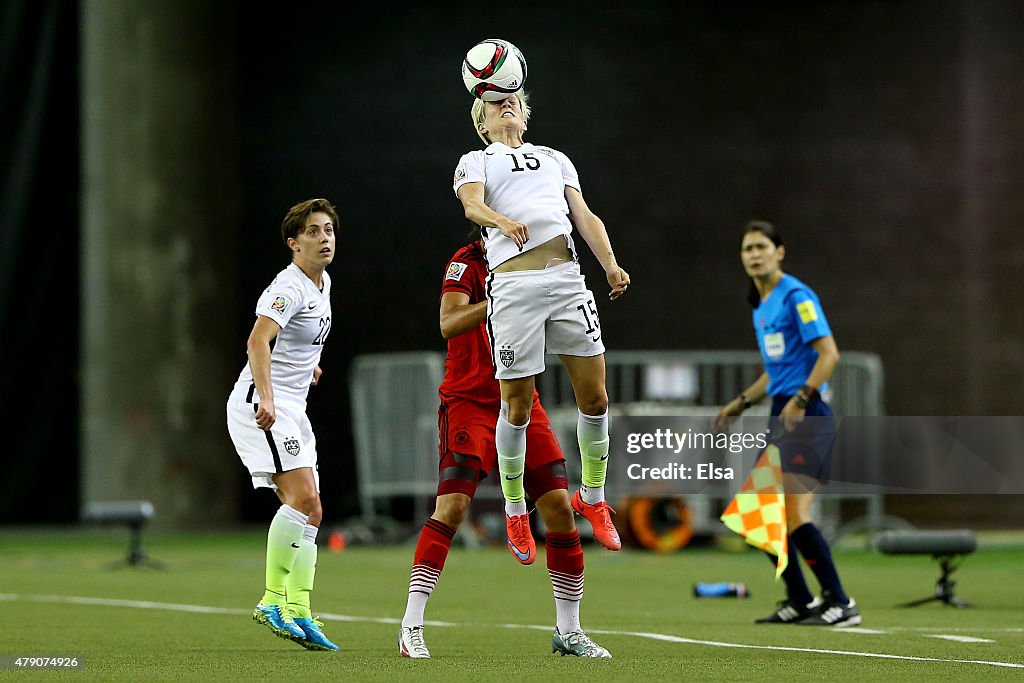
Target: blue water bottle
720	590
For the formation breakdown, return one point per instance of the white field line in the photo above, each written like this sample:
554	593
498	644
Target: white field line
969	629
960	639
202	609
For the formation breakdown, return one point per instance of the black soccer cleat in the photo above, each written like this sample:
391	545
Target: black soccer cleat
790	612
833	613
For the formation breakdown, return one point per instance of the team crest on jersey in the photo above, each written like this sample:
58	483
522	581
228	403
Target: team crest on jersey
455	271
279	304
507	357
291	444
460	173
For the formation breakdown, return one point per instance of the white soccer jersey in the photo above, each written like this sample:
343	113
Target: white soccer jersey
304	314
525	183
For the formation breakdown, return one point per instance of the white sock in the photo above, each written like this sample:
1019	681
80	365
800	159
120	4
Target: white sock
421	585
567	615
515	509
288	512
568	590
414	610
592	495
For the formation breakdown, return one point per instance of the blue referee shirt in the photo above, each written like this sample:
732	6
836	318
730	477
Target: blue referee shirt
785	324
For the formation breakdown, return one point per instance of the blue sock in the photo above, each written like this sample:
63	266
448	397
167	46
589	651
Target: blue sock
813	546
796	587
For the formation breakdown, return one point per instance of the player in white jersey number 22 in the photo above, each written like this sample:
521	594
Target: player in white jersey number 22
267	420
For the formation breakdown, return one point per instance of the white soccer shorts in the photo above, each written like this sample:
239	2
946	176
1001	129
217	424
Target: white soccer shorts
533	312
290	443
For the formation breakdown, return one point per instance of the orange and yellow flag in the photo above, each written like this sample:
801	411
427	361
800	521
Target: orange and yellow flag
758	510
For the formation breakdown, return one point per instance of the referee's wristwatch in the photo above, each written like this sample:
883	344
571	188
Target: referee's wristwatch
805	395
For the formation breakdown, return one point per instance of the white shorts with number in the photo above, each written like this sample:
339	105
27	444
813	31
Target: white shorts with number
288	445
530	312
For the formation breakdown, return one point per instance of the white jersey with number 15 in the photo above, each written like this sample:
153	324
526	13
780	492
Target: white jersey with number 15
525	183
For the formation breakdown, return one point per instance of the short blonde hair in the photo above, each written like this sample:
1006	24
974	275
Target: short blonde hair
477	112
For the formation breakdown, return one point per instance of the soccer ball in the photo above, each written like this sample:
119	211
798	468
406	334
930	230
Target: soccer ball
494	69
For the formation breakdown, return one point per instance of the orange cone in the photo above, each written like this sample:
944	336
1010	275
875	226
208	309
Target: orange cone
336	542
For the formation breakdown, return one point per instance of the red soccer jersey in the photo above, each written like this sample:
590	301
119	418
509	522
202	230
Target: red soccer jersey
469	367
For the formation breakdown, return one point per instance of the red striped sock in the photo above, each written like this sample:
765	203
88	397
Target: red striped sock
565	566
428	561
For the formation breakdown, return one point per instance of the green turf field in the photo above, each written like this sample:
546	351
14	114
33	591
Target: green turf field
191	620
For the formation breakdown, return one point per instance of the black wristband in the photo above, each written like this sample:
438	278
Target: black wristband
809	391
744	401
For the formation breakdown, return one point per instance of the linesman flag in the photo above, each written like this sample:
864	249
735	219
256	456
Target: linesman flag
758	510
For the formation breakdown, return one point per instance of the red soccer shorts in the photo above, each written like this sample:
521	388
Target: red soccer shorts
467	452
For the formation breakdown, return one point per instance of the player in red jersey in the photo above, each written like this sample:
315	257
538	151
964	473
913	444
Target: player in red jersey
470	400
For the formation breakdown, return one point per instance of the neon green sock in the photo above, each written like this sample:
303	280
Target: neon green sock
592	433
282	547
300	580
510	442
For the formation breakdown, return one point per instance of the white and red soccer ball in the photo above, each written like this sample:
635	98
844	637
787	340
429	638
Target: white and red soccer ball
494	69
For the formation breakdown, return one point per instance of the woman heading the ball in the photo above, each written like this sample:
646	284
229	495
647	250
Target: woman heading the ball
799	354
469	401
526	199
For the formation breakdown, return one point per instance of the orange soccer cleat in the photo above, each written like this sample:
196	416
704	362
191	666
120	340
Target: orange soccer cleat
600	517
520	540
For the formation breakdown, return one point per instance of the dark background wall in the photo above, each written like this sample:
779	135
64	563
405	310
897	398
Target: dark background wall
883	138
39	247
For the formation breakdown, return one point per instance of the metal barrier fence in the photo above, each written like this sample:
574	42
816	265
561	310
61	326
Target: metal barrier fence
696	383
394	404
394	414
